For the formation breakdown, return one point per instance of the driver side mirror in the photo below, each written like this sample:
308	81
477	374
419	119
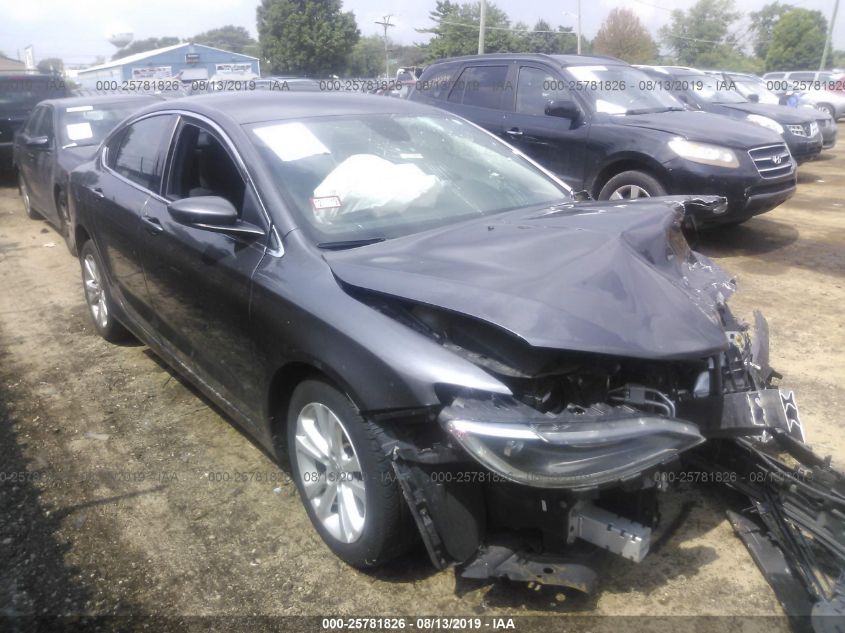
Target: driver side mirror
212	213
38	142
754	97
563	108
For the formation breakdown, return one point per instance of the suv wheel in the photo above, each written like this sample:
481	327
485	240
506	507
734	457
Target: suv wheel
31	213
826	107
630	185
97	297
345	478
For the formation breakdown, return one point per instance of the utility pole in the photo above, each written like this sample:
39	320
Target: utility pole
481	25
829	35
385	22
579	26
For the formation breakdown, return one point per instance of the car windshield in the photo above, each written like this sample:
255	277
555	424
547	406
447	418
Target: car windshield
22	93
89	124
713	89
622	90
747	87
373	177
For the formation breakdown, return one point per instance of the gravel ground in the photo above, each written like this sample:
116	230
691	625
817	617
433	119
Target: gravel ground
125	493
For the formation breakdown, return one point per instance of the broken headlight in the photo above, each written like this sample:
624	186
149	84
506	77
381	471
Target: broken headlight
600	450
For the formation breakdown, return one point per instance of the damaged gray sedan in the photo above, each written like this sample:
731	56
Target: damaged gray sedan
445	344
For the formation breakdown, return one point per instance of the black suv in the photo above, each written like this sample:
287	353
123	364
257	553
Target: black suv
798	127
19	93
607	127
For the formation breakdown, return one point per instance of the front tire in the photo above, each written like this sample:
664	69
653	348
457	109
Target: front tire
630	185
826	107
345	478
100	304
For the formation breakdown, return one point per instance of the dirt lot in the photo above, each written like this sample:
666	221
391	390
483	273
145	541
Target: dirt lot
123	492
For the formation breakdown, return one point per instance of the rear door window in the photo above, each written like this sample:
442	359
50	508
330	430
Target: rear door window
480	86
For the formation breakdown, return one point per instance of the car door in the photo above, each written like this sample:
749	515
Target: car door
559	144
480	93
41	187
199	279
130	173
27	155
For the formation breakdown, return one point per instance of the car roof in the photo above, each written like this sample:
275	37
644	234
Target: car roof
559	60
673	70
17	75
69	102
253	107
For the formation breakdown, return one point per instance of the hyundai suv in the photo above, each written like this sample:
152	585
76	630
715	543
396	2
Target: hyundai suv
606	127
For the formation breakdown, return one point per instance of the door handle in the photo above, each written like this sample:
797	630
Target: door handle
96	191
153	225
514	132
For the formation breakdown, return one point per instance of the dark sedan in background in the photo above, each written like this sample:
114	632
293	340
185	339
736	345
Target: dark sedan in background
59	135
701	91
19	94
444	344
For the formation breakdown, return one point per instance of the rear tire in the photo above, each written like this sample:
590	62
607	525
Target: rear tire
345	478
65	224
97	297
630	185
31	213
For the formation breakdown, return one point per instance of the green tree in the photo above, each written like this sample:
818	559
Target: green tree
306	37
730	58
142	46
762	24
51	65
366	59
456	30
230	38
554	42
797	41
622	35
702	29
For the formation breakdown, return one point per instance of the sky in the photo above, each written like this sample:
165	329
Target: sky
78	31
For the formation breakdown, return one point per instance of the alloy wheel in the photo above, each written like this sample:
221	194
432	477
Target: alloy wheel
95	294
330	472
629	192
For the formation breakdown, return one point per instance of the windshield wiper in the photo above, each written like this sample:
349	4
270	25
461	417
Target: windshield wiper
341	244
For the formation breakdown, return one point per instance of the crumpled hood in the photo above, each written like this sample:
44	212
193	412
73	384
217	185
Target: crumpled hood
704	127
596	277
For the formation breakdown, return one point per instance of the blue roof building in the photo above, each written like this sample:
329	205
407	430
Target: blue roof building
186	62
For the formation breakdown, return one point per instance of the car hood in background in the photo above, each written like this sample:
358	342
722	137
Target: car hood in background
596	277
704	127
70	157
781	114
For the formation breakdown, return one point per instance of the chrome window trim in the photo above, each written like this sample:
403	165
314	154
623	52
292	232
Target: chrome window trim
279	251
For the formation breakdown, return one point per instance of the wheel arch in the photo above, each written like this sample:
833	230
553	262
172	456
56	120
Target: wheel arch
284	382
628	162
